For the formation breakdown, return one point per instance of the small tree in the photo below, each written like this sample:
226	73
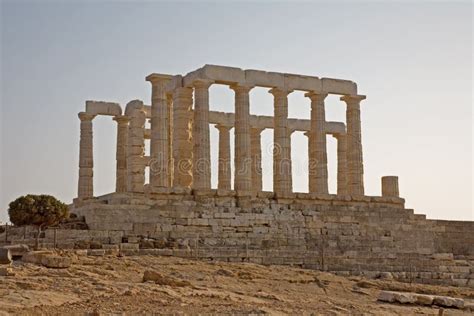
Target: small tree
38	210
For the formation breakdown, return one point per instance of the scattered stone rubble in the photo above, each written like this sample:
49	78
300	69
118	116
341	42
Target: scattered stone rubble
421	299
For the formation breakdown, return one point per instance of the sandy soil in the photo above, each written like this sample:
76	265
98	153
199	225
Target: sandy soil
114	285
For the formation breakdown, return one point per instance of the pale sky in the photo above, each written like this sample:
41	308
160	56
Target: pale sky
412	60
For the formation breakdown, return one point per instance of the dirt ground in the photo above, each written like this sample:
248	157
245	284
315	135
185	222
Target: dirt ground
114	285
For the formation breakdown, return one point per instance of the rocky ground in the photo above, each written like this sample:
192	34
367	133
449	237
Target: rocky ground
114	285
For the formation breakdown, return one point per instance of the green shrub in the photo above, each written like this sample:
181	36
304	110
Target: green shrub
37	210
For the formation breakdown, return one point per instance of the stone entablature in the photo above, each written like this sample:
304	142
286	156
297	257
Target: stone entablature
180	142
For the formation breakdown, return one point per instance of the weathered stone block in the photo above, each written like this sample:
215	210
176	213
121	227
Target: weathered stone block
103	108
305	83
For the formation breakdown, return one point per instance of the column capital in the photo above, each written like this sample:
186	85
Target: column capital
202	83
314	96
256	129
223	127
121	119
353	99
84	116
245	88
279	91
157	78
338	135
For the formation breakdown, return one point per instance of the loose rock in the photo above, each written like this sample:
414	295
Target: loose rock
5	256
158	278
56	262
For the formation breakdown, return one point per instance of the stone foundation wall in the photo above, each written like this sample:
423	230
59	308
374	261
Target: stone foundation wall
368	236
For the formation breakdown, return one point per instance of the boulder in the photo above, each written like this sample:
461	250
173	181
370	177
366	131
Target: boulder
422	299
56	262
17	250
35	256
387	296
5	256
160	279
6	271
47	259
405	298
400	297
446	301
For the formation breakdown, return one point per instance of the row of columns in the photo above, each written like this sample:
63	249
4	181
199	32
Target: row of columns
180	144
224	162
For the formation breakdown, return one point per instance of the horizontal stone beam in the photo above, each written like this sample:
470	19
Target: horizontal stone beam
262	121
103	108
231	75
215	117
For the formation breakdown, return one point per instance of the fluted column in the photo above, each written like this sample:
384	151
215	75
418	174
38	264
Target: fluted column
355	166
136	162
169	101
242	162
318	163
201	148
224	175
341	163
159	141
281	140
85	188
390	186
121	155
182	137
256	158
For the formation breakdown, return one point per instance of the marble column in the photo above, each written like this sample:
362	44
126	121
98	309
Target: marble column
136	161
159	141
121	155
85	187
341	163
242	162
201	143
169	101
224	175
355	166
390	186
256	158
182	137
318	163
311	187
281	142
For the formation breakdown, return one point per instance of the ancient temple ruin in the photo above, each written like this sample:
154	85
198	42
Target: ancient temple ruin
180	144
176	212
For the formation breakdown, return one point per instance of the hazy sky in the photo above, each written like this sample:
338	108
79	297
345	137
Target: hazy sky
413	61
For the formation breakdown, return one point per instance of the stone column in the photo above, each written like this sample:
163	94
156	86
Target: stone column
201	143
341	163
169	101
85	187
242	162
136	161
121	155
355	166
256	158
182	137
159	141
318	163
281	140
224	176
390	186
